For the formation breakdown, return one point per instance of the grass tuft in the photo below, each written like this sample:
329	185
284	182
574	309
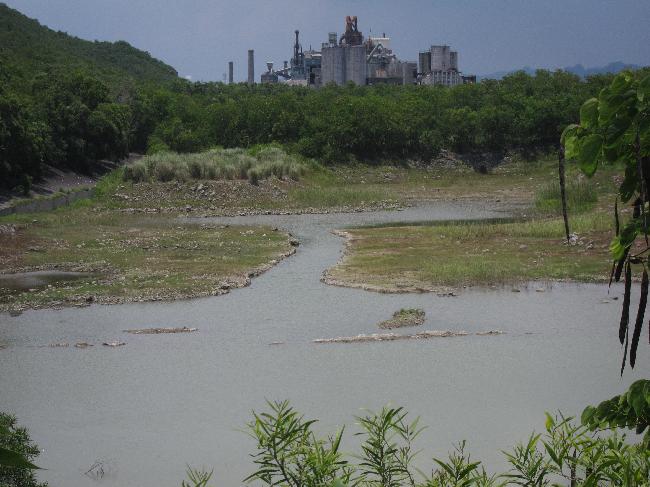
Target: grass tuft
581	196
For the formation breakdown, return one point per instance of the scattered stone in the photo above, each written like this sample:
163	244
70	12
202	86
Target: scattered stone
114	344
489	333
449	294
158	331
59	345
404	318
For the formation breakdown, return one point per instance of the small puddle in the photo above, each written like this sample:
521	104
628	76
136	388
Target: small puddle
24	281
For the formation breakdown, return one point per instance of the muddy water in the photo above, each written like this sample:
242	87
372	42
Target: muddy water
24	281
148	408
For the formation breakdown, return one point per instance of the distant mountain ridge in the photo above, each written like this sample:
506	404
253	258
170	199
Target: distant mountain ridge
28	48
578	69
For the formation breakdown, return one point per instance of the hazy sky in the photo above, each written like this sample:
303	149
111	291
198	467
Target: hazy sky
199	37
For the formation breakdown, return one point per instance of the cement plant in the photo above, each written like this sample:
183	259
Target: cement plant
351	58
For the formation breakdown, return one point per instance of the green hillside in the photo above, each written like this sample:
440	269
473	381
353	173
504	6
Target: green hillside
28	48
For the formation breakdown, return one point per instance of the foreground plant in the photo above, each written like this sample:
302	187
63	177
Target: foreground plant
289	453
567	453
17	451
615	129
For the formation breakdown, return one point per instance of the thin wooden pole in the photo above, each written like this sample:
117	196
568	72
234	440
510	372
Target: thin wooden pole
560	157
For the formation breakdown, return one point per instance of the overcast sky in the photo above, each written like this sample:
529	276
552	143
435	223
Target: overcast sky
199	37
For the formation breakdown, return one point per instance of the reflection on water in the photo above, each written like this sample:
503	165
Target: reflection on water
161	401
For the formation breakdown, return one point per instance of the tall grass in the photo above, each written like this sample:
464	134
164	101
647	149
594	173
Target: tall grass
253	165
581	196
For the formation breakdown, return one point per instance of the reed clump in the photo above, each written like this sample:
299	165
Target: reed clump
226	164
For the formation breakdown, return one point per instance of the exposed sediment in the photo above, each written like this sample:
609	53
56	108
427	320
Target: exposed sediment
158	331
328	277
386	337
404	318
111	276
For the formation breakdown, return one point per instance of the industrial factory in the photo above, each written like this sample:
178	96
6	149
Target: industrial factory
353	58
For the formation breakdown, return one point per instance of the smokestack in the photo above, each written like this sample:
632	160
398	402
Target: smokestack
230	72
251	67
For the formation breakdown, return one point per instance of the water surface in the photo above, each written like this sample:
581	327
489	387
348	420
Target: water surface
161	401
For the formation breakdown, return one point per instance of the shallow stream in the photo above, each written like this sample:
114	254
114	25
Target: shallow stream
148	408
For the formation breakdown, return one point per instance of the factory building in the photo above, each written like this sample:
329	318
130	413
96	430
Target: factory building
439	66
346	60
270	76
371	61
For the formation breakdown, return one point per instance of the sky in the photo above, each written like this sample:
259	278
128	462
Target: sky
199	37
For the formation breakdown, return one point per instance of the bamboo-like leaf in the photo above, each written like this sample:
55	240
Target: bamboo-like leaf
13	459
639	317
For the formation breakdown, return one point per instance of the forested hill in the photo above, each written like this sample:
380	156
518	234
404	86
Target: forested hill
28	48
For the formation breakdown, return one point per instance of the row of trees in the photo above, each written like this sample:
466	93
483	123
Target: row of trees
69	119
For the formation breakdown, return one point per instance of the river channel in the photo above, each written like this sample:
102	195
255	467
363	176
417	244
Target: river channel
146	409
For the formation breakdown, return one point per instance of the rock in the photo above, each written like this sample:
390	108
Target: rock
15	312
82	345
90	299
381	337
276	343
114	344
489	333
540	290
59	345
294	242
515	290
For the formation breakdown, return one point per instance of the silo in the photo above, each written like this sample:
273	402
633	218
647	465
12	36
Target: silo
453	60
356	64
440	58
251	67
425	62
333	65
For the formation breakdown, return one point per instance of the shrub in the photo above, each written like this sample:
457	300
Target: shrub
289	453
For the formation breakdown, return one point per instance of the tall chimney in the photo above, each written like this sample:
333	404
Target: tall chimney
230	72
251	67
